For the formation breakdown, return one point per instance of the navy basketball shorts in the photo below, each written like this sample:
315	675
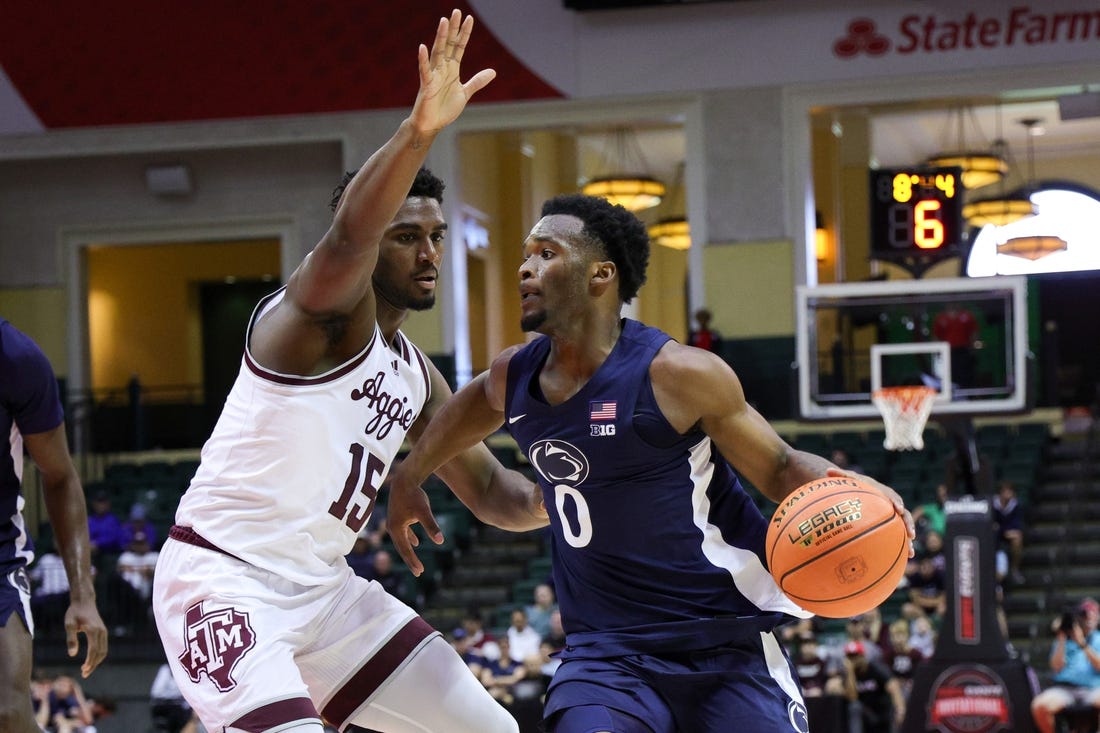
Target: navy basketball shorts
15	597
751	686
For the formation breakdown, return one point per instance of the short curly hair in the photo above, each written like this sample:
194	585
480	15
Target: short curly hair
425	184
622	236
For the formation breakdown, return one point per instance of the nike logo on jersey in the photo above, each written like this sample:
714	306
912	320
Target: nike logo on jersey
516	418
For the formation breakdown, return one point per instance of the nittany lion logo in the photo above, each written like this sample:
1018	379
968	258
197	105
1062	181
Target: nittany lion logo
215	641
796	712
558	462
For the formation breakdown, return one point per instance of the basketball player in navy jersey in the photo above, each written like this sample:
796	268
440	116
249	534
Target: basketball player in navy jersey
31	418
658	552
265	625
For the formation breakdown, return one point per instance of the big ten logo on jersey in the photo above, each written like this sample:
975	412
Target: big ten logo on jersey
602	414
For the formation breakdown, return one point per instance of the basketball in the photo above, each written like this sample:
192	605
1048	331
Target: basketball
836	547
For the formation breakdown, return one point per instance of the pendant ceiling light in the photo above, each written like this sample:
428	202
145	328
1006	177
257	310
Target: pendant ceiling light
1032	248
673	230
624	179
1007	207
981	164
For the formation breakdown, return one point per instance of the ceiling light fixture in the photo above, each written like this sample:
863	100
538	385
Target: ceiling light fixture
626	183
980	167
1007	207
1032	248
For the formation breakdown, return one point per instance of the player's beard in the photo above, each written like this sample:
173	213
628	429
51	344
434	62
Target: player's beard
532	321
424	303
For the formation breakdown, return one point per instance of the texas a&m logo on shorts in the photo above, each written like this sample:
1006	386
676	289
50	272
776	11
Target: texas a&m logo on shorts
215	641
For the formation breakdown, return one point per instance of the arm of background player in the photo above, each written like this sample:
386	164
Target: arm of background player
448	441
68	514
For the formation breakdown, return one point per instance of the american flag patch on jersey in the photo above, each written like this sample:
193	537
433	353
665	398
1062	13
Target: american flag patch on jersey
601	410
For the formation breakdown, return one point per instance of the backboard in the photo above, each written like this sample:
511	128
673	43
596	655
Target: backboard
965	337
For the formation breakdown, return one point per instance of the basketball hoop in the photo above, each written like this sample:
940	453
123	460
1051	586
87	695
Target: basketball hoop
905	410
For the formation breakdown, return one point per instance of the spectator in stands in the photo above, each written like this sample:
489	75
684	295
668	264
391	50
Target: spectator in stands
922	634
538	613
170	713
395	583
460	640
932	545
104	527
138	522
871	687
1008	523
481	641
361	557
858	629
817	670
703	336
130	586
1075	661
931	516
499	675
65	710
926	587
50	597
901	658
523	640
843	459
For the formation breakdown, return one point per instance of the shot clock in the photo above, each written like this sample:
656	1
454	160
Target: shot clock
916	215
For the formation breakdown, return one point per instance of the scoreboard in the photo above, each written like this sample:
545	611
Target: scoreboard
916	214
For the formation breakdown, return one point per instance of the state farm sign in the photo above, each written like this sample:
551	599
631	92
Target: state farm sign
931	33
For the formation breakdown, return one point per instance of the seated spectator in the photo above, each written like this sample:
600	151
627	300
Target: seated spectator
858	629
460	640
843	459
870	687
817	671
932	545
361	557
1075	661
922	635
50	597
499	675
931	516
131	585
104	527
383	573
64	709
168	709
926	587
901	658
523	641
481	641
1008	524
538	613
138	523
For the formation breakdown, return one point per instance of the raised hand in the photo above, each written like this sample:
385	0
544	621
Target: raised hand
442	95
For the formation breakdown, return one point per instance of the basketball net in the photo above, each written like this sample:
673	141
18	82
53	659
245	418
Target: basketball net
904	410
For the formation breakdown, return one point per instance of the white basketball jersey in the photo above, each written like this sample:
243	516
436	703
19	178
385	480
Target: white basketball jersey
291	472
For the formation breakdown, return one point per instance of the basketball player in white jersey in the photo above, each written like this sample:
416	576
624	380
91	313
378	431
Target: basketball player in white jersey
265	625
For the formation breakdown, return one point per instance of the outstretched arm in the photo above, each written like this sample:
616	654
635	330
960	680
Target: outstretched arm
68	514
450	445
329	308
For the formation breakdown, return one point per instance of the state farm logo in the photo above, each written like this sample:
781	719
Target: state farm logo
215	641
559	462
863	36
1018	26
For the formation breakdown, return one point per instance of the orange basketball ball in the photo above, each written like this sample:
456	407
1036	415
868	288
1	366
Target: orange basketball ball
836	547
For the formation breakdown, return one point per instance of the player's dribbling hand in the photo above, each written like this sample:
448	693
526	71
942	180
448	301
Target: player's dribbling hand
442	95
893	496
408	504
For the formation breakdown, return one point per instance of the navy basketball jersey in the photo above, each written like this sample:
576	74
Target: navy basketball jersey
30	403
656	546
